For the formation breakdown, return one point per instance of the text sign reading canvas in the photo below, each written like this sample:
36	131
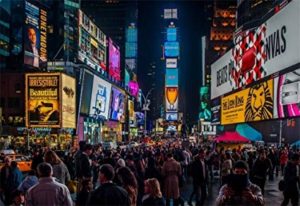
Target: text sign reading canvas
252	104
42	100
272	47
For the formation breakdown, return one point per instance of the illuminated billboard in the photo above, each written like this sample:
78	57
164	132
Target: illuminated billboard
251	104
92	43
68	101
171	63
114	60
171	77
131	110
35	41
130	64
171	116
216	111
171	95
205	112
287	95
130	49
171	49
131	34
258	53
133	88
43	100
171	34
100	98
170	14
117	105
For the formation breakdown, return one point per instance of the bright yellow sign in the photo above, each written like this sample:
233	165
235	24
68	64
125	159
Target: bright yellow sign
251	104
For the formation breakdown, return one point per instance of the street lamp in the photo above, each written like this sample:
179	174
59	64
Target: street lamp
146	107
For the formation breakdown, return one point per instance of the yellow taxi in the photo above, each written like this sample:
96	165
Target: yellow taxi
24	163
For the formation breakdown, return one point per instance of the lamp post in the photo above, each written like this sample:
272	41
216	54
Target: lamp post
146	107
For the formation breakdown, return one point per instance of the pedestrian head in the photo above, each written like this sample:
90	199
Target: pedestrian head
82	145
44	170
14	164
169	155
201	154
152	187
52	158
126	177
106	173
262	154
88	149
240	167
18	197
7	161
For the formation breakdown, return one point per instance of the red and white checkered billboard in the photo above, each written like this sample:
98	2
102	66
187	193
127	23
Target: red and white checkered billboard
260	52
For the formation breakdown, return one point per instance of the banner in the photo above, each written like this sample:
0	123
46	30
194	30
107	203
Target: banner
251	104
171	94
35	41
216	112
287	95
100	98
68	101
42	100
117	105
171	116
171	63
270	48
92	44
205	111
172	77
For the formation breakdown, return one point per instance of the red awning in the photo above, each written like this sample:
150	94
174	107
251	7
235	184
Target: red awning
231	137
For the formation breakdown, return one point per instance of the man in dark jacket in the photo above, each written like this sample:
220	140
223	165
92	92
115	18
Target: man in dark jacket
292	182
199	173
108	193
84	163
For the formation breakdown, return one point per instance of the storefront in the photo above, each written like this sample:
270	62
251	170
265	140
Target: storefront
112	131
90	130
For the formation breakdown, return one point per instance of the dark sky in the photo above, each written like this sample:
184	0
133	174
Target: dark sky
192	25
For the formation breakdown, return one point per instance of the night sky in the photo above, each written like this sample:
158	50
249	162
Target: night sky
192	25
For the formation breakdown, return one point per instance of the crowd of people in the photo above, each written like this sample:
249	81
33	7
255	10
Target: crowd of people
149	176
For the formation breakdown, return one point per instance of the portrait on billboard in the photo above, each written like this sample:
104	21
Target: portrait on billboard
287	91
114	60
205	111
259	104
31	47
117	104
42	100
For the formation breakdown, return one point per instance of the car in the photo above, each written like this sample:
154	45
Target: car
24	162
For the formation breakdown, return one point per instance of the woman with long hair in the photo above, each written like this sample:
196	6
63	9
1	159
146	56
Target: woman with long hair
128	181
60	170
153	196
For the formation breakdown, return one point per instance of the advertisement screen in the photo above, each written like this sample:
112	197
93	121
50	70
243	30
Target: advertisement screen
258	53
251	104
117	106
42	100
114	60
140	118
287	95
68	101
131	110
100	98
131	34
86	93
171	77
171	34
133	88
205	112
130	64
171	49
216	112
130	49
35	42
170	116
127	77
171	63
92	43
171	94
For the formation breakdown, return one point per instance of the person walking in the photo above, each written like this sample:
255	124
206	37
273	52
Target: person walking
171	171
47	191
292	182
260	170
129	183
5	183
60	170
153	195
108	193
199	174
239	190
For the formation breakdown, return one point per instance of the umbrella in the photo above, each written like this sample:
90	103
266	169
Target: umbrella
231	137
249	132
296	144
